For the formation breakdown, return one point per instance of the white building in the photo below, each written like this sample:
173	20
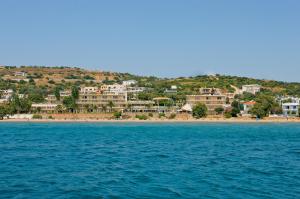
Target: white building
253	88
173	89
288	99
135	89
129	82
89	89
115	88
20	74
290	109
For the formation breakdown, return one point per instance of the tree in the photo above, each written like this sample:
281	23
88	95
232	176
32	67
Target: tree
31	81
110	105
219	110
199	111
3	112
75	92
36	96
59	108
104	108
70	103
263	106
235	108
57	93
18	105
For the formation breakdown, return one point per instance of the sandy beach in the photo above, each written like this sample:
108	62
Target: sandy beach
206	120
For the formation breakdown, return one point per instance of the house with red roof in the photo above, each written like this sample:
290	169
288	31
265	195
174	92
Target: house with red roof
247	106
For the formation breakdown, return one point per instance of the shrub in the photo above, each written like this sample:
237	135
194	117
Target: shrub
142	117
219	110
150	114
227	115
35	116
51	82
172	116
117	115
161	115
50	117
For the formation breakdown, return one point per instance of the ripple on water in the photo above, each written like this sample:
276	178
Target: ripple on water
149	160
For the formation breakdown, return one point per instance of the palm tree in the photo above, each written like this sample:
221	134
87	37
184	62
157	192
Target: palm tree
59	108
104	108
111	105
129	106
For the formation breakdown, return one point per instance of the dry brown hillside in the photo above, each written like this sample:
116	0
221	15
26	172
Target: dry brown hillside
42	75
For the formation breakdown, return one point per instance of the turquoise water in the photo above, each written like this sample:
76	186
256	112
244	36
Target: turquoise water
149	160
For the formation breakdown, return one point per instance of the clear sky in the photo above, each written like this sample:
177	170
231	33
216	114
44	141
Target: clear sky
167	38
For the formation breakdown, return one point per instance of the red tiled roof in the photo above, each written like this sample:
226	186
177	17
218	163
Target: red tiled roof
250	103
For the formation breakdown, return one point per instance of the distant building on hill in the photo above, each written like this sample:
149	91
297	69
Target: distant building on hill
129	82
135	89
20	74
115	88
252	88
89	89
172	90
209	91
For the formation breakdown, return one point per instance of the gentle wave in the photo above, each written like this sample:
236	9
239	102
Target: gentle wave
149	160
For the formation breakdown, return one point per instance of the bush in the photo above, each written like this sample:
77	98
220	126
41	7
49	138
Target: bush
50	117
219	110
141	117
35	116
227	115
51	82
117	115
161	115
150	114
172	116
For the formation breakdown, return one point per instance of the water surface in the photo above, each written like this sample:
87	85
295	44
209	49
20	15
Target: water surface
96	160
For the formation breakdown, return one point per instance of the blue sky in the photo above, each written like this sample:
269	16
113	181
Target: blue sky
166	38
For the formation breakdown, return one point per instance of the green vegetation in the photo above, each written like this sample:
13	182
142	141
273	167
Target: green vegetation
160	115
117	115
35	116
219	110
70	104
199	111
235	108
264	106
3	112
141	117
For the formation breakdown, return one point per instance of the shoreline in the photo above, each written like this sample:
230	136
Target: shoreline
149	121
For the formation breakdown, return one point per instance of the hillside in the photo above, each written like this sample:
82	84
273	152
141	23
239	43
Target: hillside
26	78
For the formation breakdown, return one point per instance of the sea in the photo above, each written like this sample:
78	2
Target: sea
149	160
